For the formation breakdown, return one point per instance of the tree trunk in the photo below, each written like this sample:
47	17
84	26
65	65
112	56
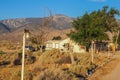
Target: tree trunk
116	42
92	52
71	55
72	58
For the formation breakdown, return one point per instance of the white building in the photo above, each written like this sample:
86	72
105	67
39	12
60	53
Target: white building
60	44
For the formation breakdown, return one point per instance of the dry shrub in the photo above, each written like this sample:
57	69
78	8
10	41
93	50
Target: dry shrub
38	69
16	59
55	74
78	70
81	65
54	56
2	52
5	59
50	57
29	58
16	75
11	47
64	60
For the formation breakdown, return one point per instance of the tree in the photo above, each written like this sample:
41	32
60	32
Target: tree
116	38
92	26
42	34
88	28
111	22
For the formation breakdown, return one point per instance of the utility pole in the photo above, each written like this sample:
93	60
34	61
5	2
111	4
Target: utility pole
25	35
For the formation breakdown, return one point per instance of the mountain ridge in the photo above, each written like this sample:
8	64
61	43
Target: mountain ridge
58	22
12	29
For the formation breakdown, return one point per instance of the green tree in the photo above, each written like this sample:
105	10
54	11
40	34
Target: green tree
88	28
93	26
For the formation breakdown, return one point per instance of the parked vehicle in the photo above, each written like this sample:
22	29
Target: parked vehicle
30	48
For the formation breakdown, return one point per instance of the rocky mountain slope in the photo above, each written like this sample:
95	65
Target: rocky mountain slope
59	24
4	28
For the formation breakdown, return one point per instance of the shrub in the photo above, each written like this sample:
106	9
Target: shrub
1	52
50	56
64	60
30	60
55	74
16	75
17	62
78	70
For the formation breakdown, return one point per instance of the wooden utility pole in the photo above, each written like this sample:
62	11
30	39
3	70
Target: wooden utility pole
25	35
23	58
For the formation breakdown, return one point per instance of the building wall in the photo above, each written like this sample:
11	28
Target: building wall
52	44
63	42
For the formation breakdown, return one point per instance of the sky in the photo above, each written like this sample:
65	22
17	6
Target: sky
41	8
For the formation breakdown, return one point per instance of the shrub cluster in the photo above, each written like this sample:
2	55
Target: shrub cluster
55	74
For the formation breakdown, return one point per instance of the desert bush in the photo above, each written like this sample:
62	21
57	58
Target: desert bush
30	60
17	62
38	69
78	70
3	63
50	56
1	52
16	75
64	60
5	59
55	74
38	53
82	65
11	47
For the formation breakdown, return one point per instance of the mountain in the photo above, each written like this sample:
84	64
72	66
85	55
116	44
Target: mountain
14	27
4	28
58	22
62	21
16	24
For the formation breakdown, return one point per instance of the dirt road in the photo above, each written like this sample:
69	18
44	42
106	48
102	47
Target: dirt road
114	74
111	71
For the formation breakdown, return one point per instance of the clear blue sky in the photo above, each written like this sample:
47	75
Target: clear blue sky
39	8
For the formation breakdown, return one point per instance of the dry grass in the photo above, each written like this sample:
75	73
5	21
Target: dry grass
55	74
46	66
